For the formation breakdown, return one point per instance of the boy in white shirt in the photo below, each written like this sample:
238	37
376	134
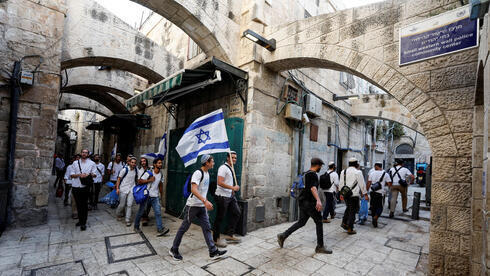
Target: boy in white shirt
197	207
377	181
352	178
124	188
154	179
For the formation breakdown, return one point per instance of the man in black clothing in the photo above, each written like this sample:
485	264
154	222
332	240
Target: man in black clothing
309	206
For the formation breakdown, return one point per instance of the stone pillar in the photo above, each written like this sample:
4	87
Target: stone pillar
31	28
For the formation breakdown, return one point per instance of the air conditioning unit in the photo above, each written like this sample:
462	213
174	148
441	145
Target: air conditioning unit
293	112
313	105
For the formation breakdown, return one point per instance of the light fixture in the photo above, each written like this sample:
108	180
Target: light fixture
268	44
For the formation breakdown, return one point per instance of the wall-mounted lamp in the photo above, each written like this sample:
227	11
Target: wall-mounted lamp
268	44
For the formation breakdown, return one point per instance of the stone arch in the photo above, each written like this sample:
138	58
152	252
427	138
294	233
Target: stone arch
404	148
93	36
209	23
74	102
383	107
118	82
437	92
111	102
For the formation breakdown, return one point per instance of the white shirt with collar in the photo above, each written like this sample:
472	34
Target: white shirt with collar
87	166
153	187
402	171
68	174
353	174
117	168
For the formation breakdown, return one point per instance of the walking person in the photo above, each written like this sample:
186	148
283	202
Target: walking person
398	175
124	188
197	207
143	167
226	201
377	181
353	179
309	206
59	167
83	172
330	193
100	169
68	181
114	167
155	179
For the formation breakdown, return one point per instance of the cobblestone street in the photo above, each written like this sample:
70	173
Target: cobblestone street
398	247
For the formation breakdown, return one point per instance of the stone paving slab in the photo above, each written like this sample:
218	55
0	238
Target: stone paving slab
400	247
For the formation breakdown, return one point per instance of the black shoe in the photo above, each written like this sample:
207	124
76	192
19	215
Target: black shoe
137	230
344	226
351	232
405	210
280	240
83	227
217	254
175	254
322	250
392	214
78	224
163	232
375	222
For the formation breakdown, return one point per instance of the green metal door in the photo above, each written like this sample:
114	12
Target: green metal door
177	173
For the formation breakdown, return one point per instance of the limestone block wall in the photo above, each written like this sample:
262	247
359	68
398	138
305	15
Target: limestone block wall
31	28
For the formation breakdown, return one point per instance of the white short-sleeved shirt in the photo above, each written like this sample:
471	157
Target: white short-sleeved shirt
68	174
127	184
334	179
117	168
87	166
353	174
153	187
225	172
403	172
99	167
375	176
203	188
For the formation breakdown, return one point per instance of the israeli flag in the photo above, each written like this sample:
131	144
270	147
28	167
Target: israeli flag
162	149
205	135
113	152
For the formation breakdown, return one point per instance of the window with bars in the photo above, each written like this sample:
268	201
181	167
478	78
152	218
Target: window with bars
193	49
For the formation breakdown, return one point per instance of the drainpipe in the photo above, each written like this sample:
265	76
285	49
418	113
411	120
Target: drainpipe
15	91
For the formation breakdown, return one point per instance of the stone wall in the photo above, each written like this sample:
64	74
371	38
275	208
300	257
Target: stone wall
31	28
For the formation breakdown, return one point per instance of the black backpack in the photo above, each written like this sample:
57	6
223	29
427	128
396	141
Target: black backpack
325	181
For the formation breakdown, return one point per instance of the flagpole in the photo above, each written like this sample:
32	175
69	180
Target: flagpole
232	166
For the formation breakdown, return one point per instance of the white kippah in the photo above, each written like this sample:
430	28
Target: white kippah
352	159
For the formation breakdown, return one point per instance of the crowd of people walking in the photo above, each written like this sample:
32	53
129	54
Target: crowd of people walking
84	175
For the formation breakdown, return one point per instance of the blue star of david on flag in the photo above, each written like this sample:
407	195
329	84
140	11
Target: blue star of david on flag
201	134
189	148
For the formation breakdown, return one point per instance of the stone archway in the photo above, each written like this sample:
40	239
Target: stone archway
74	102
209	23
110	102
93	37
438	93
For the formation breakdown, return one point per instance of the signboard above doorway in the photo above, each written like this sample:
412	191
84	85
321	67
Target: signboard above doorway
443	34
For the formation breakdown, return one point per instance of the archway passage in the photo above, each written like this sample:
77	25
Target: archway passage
209	23
93	37
437	92
74	102
105	99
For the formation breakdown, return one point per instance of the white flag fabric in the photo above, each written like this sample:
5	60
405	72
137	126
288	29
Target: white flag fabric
113	152
162	149
206	135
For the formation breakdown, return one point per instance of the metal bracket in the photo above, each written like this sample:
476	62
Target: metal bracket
241	87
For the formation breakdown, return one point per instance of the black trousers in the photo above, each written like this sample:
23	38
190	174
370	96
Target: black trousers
352	207
376	204
59	177
67	191
329	205
94	193
81	200
225	204
305	212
